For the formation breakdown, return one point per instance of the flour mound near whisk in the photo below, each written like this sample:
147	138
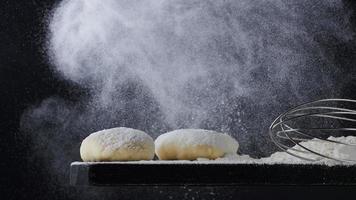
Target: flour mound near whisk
328	149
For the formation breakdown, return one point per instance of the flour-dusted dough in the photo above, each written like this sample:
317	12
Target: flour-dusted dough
191	144
117	144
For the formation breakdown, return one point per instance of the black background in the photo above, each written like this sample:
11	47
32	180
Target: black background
26	79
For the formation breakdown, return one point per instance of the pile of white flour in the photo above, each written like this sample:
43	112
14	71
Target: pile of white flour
330	149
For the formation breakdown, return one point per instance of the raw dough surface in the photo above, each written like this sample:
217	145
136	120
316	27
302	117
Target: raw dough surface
191	144
117	144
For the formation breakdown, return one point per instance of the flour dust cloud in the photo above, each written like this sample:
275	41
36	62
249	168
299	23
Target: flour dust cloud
159	65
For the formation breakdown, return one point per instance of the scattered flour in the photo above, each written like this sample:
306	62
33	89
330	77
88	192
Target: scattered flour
330	149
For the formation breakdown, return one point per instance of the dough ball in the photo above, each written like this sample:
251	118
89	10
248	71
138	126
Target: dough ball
191	144
117	144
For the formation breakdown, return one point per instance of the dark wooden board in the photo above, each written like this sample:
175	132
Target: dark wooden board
134	174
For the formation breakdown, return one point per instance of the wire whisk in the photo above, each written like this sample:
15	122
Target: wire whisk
316	121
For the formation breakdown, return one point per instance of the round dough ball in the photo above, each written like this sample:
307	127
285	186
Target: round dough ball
191	144
117	144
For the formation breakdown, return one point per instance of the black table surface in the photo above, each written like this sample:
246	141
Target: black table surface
211	174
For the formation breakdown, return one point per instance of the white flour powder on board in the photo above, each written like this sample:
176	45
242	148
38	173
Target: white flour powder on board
330	149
